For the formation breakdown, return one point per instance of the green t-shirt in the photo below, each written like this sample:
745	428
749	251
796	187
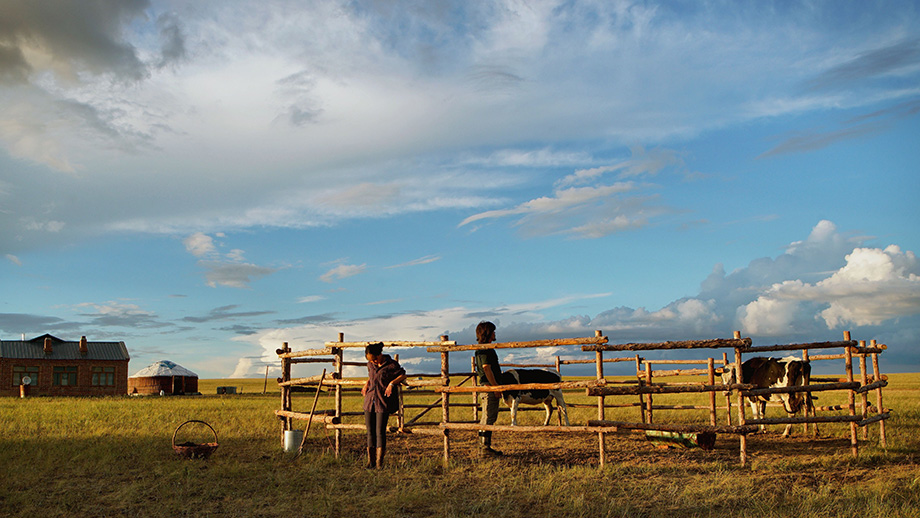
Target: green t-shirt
487	357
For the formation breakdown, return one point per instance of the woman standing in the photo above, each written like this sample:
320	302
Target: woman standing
381	399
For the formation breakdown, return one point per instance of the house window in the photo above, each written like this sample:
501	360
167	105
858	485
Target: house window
64	376
103	376
20	372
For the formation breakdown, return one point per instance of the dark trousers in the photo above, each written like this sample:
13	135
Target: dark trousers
376	423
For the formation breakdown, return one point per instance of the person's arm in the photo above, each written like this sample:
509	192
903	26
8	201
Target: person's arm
394	383
490	376
364	388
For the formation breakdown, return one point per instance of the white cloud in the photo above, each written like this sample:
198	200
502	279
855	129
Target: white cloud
13	259
416	262
199	244
343	271
310	298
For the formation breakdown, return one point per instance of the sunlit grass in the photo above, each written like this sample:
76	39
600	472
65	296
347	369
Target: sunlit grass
113	457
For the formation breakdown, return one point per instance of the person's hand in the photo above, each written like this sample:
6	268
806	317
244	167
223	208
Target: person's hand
364	390
389	390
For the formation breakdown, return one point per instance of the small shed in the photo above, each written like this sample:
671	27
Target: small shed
163	376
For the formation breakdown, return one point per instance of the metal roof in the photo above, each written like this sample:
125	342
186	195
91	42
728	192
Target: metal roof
34	349
164	368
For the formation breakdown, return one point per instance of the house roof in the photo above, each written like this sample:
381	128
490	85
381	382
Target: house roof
164	368
34	349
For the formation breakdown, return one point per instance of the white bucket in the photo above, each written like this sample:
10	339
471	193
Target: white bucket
292	440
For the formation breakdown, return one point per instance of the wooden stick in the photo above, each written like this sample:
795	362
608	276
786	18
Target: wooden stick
689	428
684	344
445	405
685	372
641	382
300	354
529	365
526	428
864	398
851	396
514	345
522	386
306	432
710	367
440	343
883	441
741	421
601	439
822	387
605	360
798	347
871	386
338	354
798	420
877	417
661	389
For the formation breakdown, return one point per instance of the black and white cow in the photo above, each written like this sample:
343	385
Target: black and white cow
513	398
771	373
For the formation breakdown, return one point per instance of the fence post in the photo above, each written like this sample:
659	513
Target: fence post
601	440
851	395
741	420
445	404
883	442
337	353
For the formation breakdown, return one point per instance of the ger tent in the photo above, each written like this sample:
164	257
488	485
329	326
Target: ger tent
163	376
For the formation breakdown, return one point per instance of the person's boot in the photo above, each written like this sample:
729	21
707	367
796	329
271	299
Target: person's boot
380	454
485	446
371	458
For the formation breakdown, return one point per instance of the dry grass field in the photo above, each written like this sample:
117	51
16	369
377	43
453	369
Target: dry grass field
113	457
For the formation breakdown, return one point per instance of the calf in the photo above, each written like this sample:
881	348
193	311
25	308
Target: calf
513	398
770	373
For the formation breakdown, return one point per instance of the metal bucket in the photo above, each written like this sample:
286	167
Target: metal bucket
292	440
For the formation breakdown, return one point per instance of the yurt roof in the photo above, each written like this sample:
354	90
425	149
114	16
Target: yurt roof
164	368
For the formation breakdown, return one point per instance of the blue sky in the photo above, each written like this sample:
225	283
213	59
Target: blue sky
207	180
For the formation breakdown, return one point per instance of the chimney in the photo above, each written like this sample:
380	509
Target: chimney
47	345
83	349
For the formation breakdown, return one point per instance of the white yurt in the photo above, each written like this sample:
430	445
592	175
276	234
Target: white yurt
165	377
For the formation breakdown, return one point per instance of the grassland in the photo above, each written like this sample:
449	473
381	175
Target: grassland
112	457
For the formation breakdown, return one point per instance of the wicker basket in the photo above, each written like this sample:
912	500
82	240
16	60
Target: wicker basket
190	450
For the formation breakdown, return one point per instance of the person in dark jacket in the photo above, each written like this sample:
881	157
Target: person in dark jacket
381	398
490	374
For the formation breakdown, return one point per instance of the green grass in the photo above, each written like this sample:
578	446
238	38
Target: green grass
113	457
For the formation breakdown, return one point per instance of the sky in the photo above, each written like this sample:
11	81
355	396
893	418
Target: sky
207	180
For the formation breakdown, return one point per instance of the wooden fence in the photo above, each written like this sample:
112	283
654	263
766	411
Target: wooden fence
642	390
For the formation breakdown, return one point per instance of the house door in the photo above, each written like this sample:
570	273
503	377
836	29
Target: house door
178	386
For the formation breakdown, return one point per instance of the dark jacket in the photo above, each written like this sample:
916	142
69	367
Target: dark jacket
377	380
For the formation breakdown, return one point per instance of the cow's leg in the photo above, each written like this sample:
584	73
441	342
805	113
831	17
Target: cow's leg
514	409
547	404
758	413
563	410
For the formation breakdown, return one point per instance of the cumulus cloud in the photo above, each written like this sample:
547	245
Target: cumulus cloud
875	285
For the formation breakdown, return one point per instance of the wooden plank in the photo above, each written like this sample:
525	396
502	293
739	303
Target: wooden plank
799	347
390	343
684	344
871	386
516	345
524	386
662	389
528	429
802	388
690	428
813	419
873	419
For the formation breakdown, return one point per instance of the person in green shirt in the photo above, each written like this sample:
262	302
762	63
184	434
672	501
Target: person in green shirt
489	374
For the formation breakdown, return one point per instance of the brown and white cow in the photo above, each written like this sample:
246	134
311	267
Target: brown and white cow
513	398
771	373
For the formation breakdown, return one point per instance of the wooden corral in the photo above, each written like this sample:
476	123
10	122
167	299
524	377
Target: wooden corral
639	393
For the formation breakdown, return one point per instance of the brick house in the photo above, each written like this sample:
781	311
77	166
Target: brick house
60	368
